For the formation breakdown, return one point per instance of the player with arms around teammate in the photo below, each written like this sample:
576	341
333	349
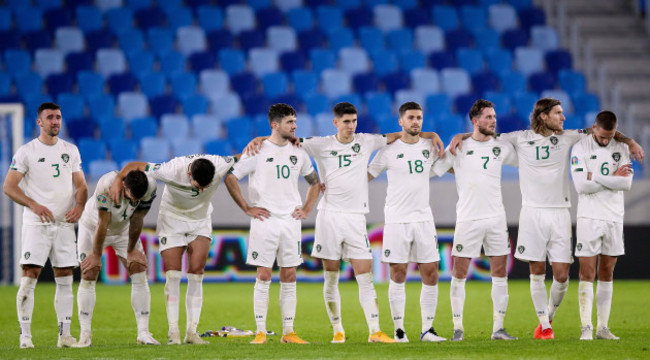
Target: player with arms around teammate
105	223
53	193
545	221
276	210
601	171
184	225
480	215
409	233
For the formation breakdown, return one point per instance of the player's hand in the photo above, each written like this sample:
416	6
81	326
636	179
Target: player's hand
295	141
74	214
456	142
258	213
636	152
134	258
92	261
117	192
322	188
254	146
589	175
438	145
43	213
624	170
299	213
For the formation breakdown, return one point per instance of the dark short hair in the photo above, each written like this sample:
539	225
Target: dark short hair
47	106
344	108
202	171
411	105
279	111
478	107
606	120
136	181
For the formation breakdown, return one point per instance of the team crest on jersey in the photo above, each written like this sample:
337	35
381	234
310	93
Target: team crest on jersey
531	143
65	158
521	249
356	148
102	199
319	248
27	255
399	156
579	246
554	140
574	160
333	153
616	156
163	240
254	255
228	159
496	150
386	253
425	153
459	247
293	159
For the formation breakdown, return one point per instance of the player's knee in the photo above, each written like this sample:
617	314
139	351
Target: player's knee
136	267
91	274
31	271
562	278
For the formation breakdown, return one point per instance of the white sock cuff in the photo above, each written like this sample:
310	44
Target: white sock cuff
195	277
28	282
287	285
365	278
537	278
173	275
499	280
332	276
63	280
139	278
457	281
87	283
605	285
429	287
561	285
262	284
585	285
397	286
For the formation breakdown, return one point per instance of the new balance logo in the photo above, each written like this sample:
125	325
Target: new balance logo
41	160
269	160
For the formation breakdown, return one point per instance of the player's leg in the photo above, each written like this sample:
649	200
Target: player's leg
457	294
498	268
560	257
397	299
604	293
86	297
261	302
25	303
368	299
586	294
429	300
63	257
289	256
539	295
172	258
396	248
197	255
559	287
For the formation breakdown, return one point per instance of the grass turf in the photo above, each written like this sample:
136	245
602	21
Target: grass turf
230	304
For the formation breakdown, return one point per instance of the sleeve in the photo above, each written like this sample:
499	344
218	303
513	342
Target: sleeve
378	164
306	167
104	202
222	164
244	166
443	164
20	162
149	196
579	173
376	141
76	164
511	157
621	183
166	171
510	137
576	135
311	145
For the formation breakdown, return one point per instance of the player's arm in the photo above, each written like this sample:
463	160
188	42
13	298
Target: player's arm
312	196
232	183
457	142
117	188
16	194
134	256
636	151
620	180
582	177
444	164
80	196
254	146
94	259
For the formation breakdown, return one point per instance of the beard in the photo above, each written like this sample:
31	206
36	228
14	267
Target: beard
486	131
53	131
413	132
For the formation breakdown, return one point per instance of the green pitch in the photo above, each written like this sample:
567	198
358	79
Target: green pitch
231	304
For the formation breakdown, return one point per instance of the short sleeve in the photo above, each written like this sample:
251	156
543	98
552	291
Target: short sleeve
378	164
306	167
104	202
19	162
511	157
312	145
244	166
443	164
222	164
376	141
510	137
575	135
76	164
166	171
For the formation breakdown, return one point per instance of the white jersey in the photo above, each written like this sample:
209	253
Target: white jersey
544	166
180	200
273	176
120	213
408	169
601	197
477	168
343	168
47	176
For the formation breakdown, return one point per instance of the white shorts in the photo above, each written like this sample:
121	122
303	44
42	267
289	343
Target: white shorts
599	237
410	242
119	242
491	233
55	241
277	237
341	236
173	232
544	232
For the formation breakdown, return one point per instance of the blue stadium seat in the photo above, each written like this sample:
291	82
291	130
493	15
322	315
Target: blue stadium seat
5	84
232	61
174	126
316	103
514	38
119	19
305	83
191	39
78	128
99	168
172	63
160	40
282	38
263	61
99	39
387	124
488	41
154	149
28	84
544	38
455	81
261	125
69	39
340	38
137	4
521	4
90	83
28	19
336	83
195	104
239	127
17	62
400	39
183	84
365	82
502	17
132	105
9	39
388	17
101	105
379	103
396	81
329	18
213	82
141	63
513	83
37	39
118	83
558	60
353	60
572	82
255	103
384	62
305	127
311	39
473	18
425	80
509	123
406	95
78	61
110	61
501	101
531	17
275	84
249	39
286	5
292	60
72	105
269	16
300	18
5	19
202	60
219	39
448	125
322	59
324	124
209	17
123	150
572	121
585	103
239	18
143	127
111	128
131	41
226	106
218	147
411	59
565	99
464	102
442	59
205	127
524	104
181	17
458	38
244	83
105	5
356	16
352	98
416	17
91	150
499	61
289	99
445	17
48	61
470	60
184	147
89	18
485	81
371	38
529	60
56	18
541	81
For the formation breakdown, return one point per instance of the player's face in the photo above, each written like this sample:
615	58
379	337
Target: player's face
486	121
411	122
50	122
287	127
129	195
602	136
346	124
195	184
555	119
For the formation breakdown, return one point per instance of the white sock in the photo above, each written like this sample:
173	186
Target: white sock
558	290
288	300
86	299
63	303
538	293
141	300
428	305
333	299
604	293
499	302
397	300
368	300
261	303
457	298
172	295
25	304
585	301
193	301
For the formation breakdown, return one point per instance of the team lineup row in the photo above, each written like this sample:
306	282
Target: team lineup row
45	176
